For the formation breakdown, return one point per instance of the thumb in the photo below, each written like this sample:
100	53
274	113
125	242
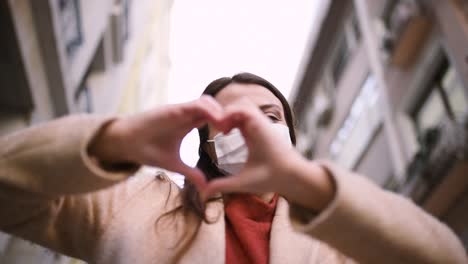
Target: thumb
229	184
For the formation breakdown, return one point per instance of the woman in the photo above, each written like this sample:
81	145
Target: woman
64	185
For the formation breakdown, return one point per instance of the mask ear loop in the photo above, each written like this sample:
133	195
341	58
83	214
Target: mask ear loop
211	141
212	162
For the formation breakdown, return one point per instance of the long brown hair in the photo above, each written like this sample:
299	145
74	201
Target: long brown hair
190	196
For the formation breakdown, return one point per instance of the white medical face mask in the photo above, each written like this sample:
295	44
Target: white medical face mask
232	152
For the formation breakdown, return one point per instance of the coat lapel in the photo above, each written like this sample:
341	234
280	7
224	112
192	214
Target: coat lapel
287	245
209	245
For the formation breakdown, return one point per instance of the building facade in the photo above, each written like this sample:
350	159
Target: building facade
383	90
61	57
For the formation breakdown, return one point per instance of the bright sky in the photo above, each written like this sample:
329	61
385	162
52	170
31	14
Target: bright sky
217	38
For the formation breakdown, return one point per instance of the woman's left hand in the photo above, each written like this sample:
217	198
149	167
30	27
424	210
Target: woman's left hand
272	165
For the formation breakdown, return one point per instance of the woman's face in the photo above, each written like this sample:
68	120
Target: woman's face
259	95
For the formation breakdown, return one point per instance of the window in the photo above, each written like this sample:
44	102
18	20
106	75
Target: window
70	23
126	30
453	88
358	127
355	28
346	44
83	100
431	112
15	92
340	59
445	98
120	26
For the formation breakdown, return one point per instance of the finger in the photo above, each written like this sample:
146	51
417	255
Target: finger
229	184
194	175
234	117
206	108
211	103
253	126
198	113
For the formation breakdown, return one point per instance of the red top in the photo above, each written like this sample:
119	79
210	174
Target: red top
248	225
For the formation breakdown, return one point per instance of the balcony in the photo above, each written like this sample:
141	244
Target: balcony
436	176
404	28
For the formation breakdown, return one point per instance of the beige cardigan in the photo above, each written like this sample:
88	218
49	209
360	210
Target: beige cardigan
54	194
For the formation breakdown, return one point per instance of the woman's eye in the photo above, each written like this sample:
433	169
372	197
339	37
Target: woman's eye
273	118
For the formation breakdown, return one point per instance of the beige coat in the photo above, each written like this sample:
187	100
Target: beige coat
54	194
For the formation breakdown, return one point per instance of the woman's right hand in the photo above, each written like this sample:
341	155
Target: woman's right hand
153	138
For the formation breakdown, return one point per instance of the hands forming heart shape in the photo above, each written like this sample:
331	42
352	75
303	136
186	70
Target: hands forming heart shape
153	138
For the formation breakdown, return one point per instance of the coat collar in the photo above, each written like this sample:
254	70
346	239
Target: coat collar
286	245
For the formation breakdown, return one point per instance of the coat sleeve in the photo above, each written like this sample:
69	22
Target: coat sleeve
52	192
372	225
